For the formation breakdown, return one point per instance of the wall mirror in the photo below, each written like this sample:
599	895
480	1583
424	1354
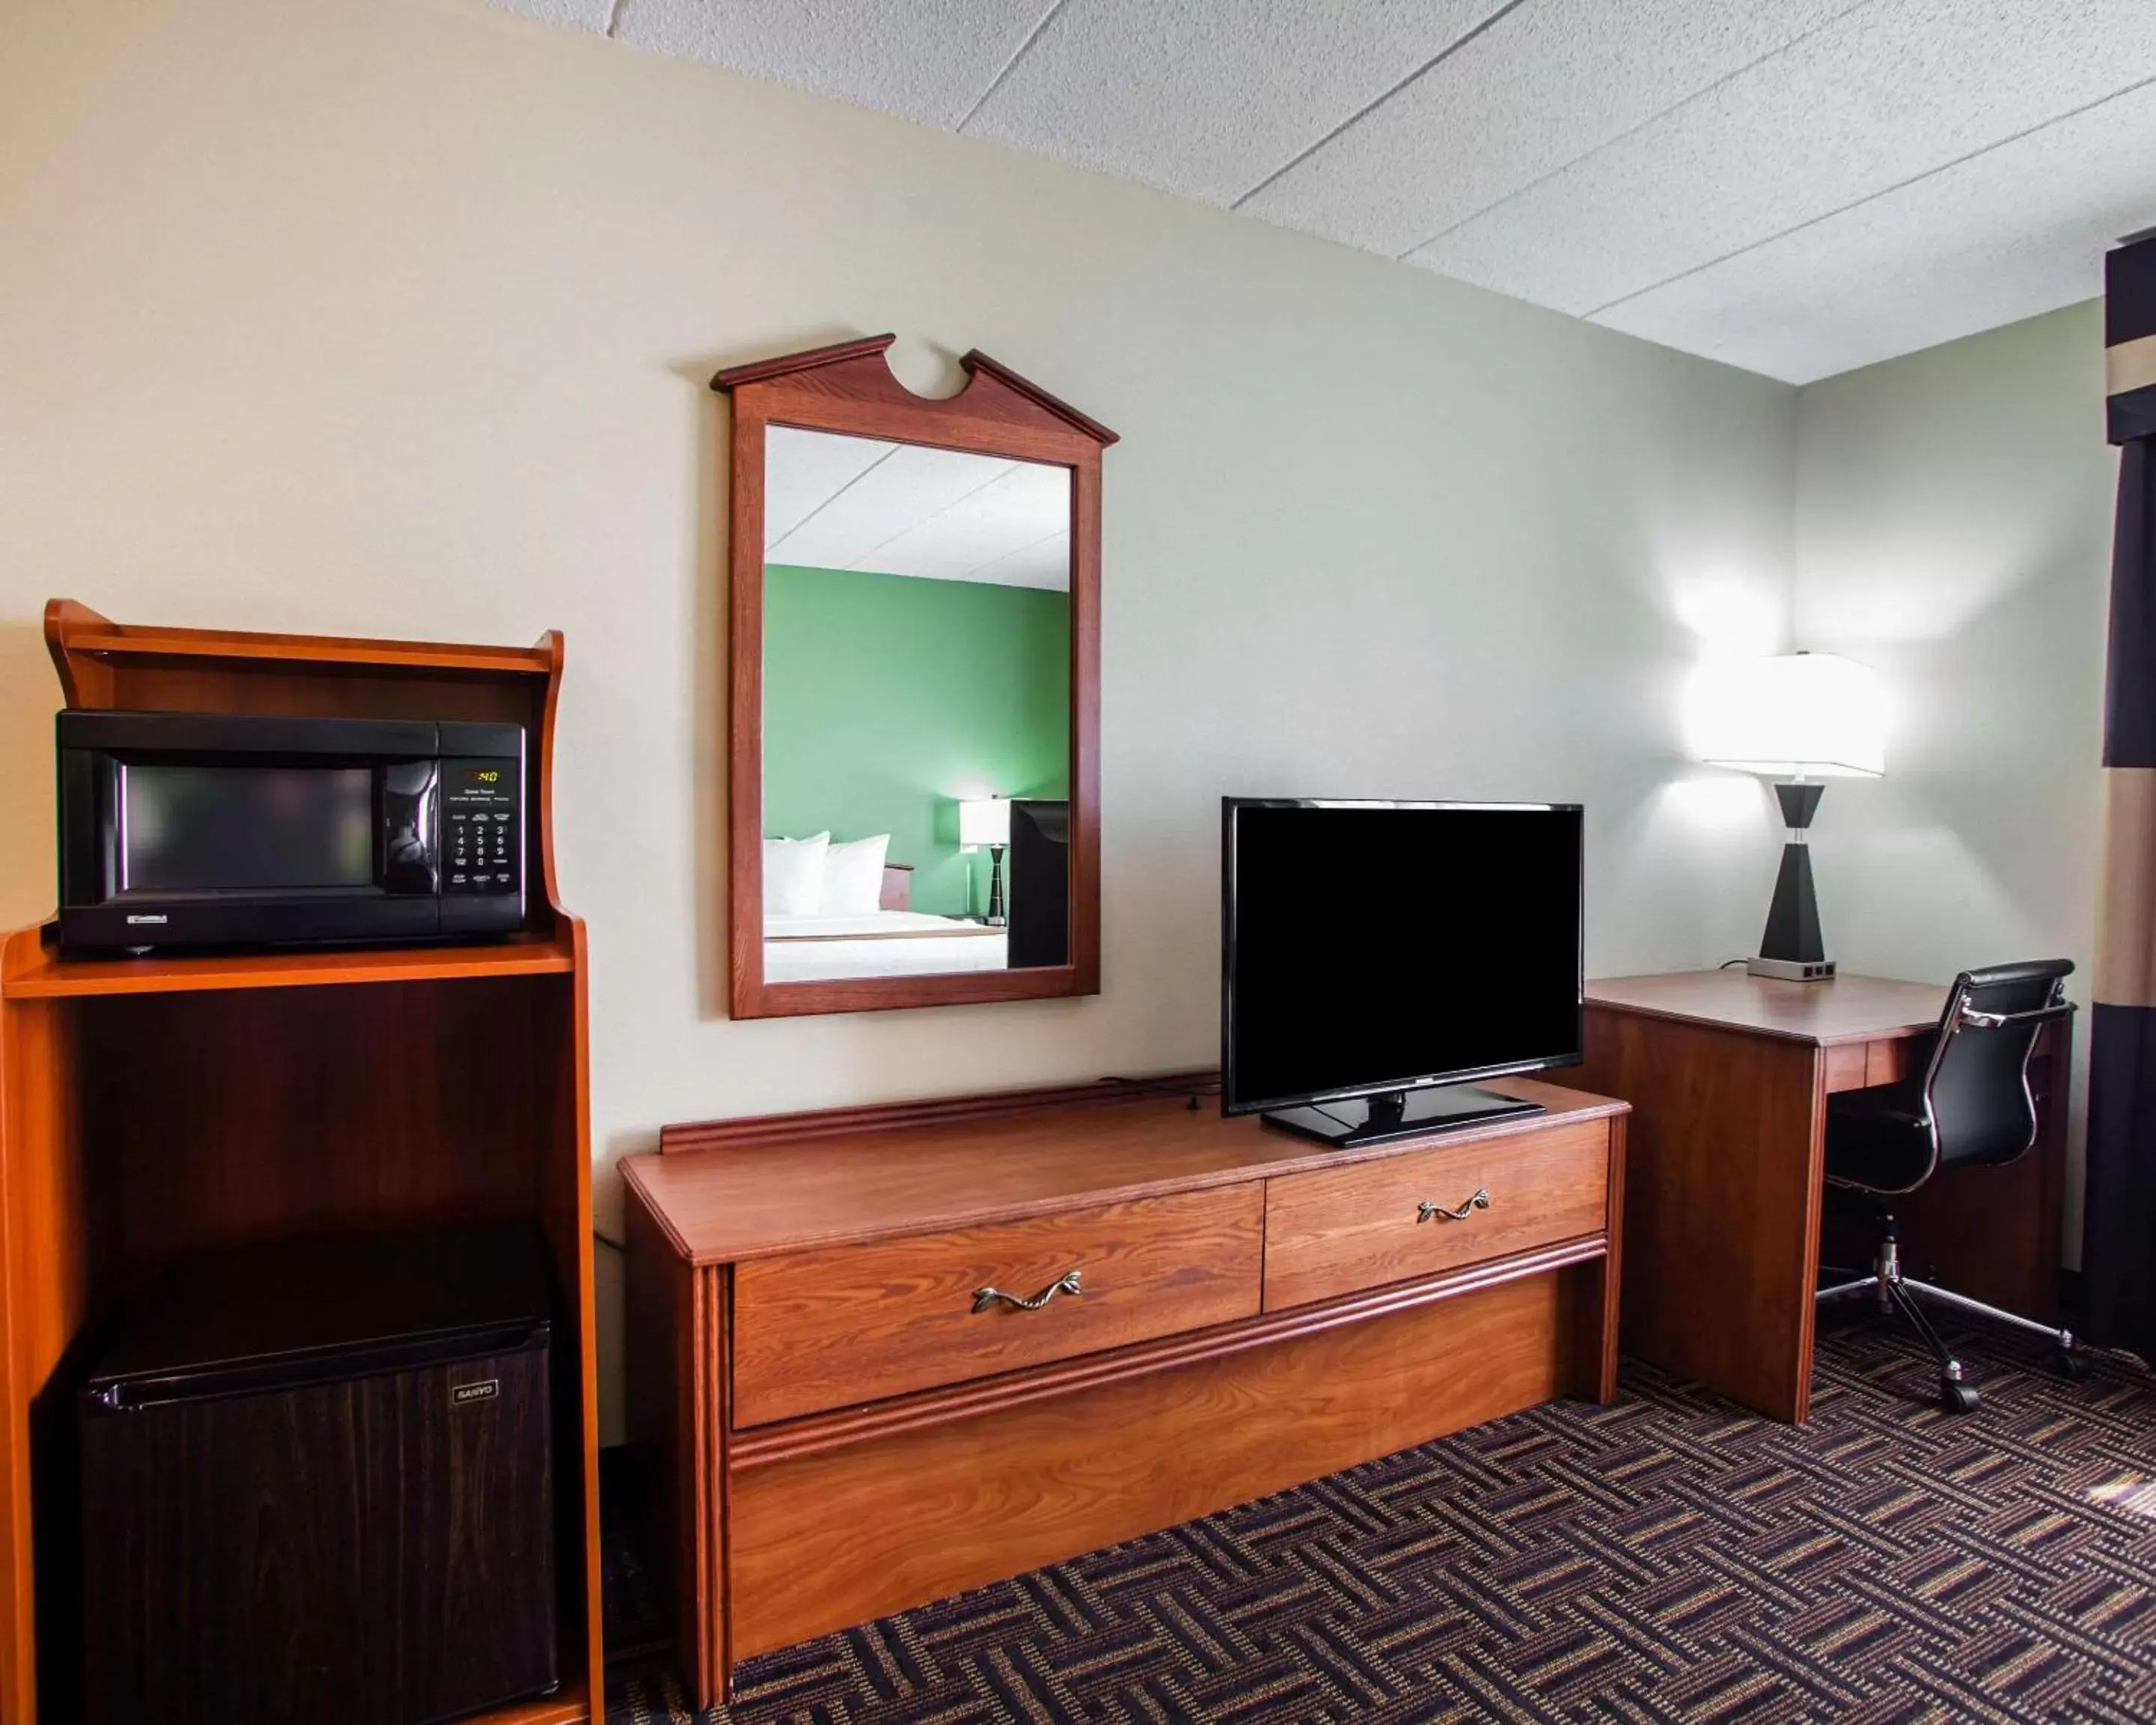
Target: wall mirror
914	782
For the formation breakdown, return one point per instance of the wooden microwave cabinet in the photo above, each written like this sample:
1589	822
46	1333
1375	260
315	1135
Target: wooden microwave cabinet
159	1109
879	1356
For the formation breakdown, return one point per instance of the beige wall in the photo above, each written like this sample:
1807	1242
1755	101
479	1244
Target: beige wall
395	317
1954	530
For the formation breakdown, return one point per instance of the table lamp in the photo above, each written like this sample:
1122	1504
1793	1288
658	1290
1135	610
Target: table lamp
985	821
1797	718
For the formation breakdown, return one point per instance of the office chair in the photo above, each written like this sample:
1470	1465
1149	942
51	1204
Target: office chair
1970	1107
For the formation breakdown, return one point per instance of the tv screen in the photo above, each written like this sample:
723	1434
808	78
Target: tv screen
1377	946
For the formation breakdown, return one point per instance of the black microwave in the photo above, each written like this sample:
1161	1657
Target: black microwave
183	829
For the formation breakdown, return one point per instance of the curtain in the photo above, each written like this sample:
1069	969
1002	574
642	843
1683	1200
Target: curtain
2118	1258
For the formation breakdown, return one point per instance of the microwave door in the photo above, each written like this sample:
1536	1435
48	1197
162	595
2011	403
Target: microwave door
184	826
184	829
271	849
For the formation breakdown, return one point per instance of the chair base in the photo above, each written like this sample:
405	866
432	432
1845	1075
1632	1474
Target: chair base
1898	1294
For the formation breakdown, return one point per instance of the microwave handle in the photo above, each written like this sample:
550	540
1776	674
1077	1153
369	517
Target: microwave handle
411	857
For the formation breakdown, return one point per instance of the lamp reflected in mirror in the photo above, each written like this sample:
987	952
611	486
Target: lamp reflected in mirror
984	825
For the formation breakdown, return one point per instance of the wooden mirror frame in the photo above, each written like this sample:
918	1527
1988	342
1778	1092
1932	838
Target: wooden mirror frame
848	388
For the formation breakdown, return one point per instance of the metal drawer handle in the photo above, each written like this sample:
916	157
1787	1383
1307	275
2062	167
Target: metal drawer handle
1067	1283
1427	1212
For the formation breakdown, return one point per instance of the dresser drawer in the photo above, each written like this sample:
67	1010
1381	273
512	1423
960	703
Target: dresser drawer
1339	1230
827	1329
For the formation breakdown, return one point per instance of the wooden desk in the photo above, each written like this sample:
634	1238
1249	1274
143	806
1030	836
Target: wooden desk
840	1418
1728	1075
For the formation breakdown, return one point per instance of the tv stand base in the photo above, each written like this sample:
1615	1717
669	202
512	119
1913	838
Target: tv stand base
1397	1114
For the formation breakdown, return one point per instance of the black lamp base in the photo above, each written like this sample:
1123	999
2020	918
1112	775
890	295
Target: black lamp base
1792	949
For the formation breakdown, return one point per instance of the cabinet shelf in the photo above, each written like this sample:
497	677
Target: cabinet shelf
46	974
79	633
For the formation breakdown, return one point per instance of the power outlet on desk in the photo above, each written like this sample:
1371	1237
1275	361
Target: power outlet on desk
1791	970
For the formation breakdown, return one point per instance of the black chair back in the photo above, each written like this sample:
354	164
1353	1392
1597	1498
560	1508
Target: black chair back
1976	1085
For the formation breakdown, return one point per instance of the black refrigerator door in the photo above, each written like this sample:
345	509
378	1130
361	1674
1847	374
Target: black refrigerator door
373	1550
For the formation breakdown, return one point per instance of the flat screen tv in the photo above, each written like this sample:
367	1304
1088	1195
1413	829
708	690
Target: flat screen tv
1378	957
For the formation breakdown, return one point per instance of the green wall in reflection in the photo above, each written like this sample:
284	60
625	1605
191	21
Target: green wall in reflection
888	697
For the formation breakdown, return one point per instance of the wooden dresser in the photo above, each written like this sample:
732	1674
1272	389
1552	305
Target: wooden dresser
878	1356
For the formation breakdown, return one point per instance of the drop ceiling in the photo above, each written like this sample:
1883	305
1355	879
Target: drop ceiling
834	502
1796	186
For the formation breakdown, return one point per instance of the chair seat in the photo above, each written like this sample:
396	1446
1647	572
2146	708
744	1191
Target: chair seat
1876	1143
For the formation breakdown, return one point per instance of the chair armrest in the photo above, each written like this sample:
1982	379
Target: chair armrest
2034	1015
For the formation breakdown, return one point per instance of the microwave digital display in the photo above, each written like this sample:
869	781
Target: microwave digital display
202	829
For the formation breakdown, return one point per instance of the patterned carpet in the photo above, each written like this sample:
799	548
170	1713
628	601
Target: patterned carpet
1665	1558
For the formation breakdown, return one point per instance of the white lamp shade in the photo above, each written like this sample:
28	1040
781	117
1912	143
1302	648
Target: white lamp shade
1799	715
984	820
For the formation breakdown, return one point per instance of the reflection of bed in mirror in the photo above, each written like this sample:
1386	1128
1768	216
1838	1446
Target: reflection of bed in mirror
897	939
807	949
892	940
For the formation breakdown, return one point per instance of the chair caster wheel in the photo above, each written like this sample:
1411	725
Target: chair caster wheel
1957	1397
2069	1362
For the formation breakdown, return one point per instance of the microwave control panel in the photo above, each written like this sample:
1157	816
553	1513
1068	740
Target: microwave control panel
482	838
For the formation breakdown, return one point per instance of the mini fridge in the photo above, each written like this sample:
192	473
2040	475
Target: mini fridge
315	1485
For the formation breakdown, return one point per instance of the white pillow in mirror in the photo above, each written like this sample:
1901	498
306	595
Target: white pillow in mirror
852	876
793	875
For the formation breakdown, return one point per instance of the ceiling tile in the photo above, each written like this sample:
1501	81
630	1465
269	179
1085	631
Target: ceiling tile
1046	564
2018	230
803	470
1795	186
1206	99
928	60
580	14
894	495
1003	532
1542	88
1884	93
837	502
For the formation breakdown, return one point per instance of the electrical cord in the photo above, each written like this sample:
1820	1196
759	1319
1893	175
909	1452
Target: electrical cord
1153	1086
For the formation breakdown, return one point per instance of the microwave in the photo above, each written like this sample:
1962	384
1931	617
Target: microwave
185	829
